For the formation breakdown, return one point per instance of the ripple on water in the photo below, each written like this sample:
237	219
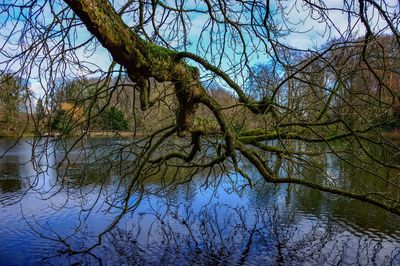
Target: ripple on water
349	234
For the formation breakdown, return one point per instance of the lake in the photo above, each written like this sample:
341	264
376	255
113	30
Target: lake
51	209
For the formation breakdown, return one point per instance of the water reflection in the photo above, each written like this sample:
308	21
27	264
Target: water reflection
219	234
10	185
10	176
213	219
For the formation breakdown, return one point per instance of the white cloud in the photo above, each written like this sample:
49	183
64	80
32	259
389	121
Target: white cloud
37	90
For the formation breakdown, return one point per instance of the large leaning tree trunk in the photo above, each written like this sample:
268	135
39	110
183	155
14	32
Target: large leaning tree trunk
143	59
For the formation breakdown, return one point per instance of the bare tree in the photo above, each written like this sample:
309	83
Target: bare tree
167	55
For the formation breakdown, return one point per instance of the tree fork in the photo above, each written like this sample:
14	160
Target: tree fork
142	59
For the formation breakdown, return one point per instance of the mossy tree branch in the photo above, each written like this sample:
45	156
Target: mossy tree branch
140	58
143	60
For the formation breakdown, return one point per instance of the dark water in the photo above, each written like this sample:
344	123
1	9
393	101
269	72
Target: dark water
214	219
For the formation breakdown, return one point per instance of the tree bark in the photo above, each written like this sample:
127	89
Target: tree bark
142	59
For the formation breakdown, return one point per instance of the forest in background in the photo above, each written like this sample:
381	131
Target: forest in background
336	86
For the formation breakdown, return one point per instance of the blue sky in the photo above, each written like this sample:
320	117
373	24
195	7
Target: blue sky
307	33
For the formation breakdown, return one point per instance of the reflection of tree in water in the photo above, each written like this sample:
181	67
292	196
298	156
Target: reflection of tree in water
10	176
180	231
220	234
10	185
168	224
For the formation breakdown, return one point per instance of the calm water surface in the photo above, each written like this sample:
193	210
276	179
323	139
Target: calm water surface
213	220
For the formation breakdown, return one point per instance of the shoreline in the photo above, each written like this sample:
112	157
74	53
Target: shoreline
391	135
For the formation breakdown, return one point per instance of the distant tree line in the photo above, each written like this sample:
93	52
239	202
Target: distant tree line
14	104
336	86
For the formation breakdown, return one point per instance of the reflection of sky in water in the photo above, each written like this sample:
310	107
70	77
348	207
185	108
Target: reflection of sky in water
200	222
